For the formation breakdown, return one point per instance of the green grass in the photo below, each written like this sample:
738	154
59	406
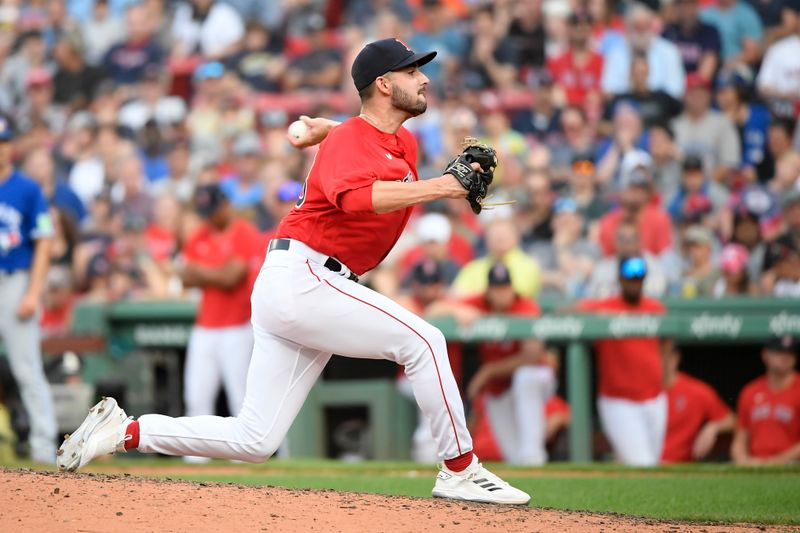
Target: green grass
706	493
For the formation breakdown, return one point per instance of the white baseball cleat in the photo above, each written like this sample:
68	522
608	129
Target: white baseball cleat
477	484
101	433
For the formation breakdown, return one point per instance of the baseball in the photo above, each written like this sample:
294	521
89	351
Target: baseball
297	129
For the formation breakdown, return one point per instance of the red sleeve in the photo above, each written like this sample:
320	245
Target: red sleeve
358	200
189	246
526	307
743	409
342	168
477	301
605	234
715	408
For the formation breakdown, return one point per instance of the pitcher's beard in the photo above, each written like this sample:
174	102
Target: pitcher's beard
405	102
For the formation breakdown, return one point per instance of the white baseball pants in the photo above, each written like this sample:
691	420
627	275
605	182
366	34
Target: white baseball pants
302	314
517	416
216	356
23	346
635	429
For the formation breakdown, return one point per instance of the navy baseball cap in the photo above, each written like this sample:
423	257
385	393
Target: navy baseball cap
208	199
782	343
6	129
499	275
632	268
428	272
380	57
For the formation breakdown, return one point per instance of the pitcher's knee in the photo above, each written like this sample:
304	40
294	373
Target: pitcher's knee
422	348
258	452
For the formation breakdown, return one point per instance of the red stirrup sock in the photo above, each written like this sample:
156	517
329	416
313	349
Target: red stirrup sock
459	463
132	436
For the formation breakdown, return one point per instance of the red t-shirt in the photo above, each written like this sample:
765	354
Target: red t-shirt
576	81
692	403
353	156
772	418
655	230
207	247
629	369
491	351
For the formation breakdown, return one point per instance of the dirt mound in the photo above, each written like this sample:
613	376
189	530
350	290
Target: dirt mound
44	501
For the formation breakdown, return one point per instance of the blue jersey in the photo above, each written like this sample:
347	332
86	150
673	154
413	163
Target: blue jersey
24	217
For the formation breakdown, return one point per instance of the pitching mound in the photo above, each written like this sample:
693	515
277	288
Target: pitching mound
44	501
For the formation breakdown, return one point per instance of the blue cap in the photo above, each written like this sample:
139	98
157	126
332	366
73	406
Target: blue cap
6	129
205	71
632	268
289	191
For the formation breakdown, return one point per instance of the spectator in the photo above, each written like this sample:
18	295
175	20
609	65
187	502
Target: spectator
767	425
782	257
694	182
126	62
633	412
787	175
39	109
527	34
222	259
57	302
31	53
178	181
161	235
280	198
152	102
666	68
502	244
578	70
636	206
623	149
698	42
779	138
653	106
74	81
707	132
437	242
777	78
740	31
752	120
667	165
244	188
542	120
320	67
536	220
260	63
515	376
577	138
38	164
438	33
567	260
696	415
489	61
129	192
87	175
700	275
747	232
734	280
210	27
100	31
604	281
582	188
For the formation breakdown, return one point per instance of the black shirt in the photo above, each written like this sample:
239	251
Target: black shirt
693	43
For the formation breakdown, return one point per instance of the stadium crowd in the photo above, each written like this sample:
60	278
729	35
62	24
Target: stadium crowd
662	130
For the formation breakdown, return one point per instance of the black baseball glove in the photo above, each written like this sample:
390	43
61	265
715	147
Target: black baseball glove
476	182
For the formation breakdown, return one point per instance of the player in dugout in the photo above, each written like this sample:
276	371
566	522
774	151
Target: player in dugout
696	415
768	410
514	373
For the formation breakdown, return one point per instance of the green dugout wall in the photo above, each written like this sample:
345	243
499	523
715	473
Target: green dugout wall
153	326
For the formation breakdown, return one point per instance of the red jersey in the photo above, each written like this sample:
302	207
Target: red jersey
628	368
210	248
771	417
577	81
353	156
655	229
692	403
491	351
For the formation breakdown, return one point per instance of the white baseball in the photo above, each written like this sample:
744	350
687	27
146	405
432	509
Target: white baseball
298	129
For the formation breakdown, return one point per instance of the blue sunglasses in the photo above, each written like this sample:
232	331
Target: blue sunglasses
633	268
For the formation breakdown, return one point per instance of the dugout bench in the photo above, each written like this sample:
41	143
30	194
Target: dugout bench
157	330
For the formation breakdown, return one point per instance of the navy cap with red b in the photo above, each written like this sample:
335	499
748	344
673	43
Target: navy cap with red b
499	275
380	57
